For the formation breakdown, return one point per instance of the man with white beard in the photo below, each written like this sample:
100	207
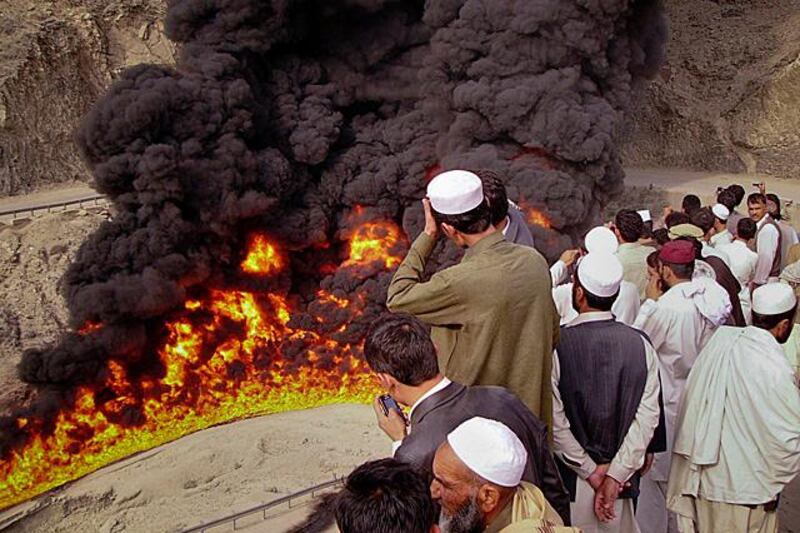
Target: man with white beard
679	323
737	443
477	480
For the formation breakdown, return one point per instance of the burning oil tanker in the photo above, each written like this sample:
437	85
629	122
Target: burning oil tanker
264	188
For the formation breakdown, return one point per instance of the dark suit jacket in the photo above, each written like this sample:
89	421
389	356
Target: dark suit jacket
442	412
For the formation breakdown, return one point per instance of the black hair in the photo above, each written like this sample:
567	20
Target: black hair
661	235
756	198
682	271
676	218
746	228
385	496
690	204
727	198
777	201
495	193
770	321
629	224
652	259
474	221
704	219
738	194
601	303
400	345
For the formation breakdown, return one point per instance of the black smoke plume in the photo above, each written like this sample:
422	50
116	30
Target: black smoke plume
284	115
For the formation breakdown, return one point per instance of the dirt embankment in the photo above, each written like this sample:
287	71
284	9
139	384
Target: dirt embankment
56	59
729	96
33	258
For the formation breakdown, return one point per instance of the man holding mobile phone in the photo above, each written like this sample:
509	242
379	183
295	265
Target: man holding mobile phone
399	350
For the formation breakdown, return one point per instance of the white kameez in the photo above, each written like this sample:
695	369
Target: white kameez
738	433
679	325
743	266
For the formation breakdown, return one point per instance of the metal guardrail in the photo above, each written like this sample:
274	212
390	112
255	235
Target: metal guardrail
95	200
266	507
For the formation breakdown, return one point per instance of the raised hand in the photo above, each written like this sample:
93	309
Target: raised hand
431	227
392	424
570	256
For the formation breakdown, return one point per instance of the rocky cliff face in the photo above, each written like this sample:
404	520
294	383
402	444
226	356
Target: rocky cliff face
56	58
729	95
728	98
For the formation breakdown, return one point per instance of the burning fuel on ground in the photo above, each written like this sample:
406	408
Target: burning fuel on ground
265	188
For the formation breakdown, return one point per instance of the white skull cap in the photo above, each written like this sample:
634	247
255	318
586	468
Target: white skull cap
455	192
491	450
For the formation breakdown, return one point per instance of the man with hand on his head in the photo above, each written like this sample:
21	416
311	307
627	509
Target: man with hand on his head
492	315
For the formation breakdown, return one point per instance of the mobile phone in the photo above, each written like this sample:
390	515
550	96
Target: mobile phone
387	402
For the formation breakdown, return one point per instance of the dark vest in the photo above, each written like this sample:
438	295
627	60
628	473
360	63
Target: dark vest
775	271
602	380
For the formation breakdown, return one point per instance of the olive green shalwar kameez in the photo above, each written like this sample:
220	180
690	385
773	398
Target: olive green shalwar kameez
493	318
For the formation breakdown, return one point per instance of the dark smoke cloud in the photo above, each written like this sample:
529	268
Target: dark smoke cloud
285	115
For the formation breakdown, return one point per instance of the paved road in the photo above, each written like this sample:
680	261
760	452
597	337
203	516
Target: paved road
52	196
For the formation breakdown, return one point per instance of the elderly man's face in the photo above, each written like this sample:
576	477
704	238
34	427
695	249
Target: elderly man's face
454	487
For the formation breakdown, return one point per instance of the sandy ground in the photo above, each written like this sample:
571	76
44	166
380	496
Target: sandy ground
210	474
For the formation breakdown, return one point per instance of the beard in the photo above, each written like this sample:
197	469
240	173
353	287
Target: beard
467	518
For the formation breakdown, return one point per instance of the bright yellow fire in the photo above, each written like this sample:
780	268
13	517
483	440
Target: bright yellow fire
223	360
262	257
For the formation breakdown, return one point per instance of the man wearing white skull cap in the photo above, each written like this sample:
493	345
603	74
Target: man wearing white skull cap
492	315
477	479
626	306
737	441
605	401
721	236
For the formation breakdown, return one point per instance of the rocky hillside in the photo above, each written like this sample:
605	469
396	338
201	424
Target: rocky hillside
56	58
728	98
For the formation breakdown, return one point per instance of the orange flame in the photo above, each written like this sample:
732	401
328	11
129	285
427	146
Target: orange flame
223	359
262	257
538	218
375	241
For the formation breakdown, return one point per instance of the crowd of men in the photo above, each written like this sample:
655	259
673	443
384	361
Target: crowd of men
646	381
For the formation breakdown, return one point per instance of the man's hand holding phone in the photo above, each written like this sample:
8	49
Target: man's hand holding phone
390	417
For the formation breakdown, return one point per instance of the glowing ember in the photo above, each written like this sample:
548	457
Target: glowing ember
375	242
89	327
225	358
262	257
538	218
